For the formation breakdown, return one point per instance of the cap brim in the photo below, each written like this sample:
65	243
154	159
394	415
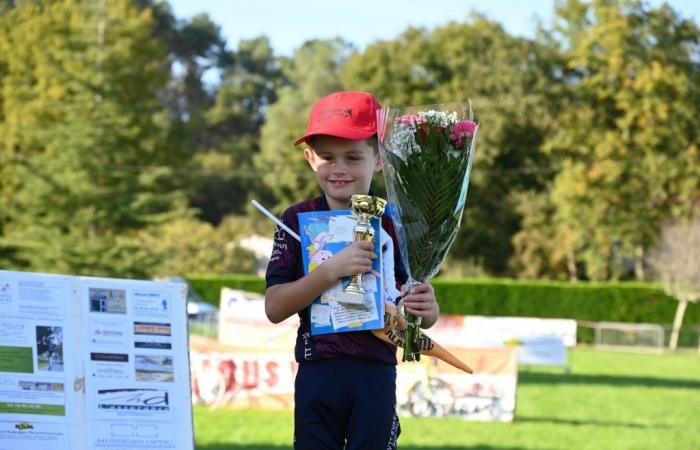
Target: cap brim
347	133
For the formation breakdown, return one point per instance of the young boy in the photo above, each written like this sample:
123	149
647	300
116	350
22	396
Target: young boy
345	389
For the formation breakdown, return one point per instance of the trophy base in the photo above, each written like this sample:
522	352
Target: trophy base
352	299
354	289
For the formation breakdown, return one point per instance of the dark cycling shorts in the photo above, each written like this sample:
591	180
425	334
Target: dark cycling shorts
345	403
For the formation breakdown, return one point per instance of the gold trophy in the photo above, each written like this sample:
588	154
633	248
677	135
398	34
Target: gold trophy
364	208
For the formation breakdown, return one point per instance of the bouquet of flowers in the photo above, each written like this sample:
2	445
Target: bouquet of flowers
427	154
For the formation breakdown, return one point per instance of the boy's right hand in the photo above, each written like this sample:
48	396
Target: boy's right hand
353	259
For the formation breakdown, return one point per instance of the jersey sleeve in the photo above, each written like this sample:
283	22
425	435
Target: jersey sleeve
285	260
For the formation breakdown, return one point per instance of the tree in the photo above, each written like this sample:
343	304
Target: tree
84	140
313	72
188	245
233	126
6	5
676	262
195	49
509	83
539	252
627	139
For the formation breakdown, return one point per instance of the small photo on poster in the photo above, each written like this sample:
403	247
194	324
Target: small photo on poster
16	359
111	301
113	366
156	368
154	335
49	348
40	386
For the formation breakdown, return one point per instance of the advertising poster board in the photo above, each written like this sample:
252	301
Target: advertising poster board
93	363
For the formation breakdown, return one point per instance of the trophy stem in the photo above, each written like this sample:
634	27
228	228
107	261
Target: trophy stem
355	285
364	207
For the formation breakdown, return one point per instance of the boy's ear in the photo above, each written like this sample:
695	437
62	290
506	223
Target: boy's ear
311	158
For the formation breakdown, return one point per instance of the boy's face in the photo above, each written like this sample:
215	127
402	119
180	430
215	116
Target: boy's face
344	167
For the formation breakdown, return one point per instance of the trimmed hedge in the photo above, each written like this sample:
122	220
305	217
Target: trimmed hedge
595	302
613	302
209	286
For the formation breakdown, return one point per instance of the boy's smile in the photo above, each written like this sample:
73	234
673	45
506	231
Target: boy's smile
344	167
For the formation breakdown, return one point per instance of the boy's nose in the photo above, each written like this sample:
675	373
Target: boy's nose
339	168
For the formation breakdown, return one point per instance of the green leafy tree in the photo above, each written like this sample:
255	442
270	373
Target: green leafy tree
225	174
539	252
313	72
84	140
195	50
6	5
627	141
508	81
188	245
197	57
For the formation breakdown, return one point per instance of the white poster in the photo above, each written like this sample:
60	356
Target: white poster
36	362
538	341
137	377
433	388
93	363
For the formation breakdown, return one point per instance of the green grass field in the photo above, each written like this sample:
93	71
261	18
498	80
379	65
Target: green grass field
609	400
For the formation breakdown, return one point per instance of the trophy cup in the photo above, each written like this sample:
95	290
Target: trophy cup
364	208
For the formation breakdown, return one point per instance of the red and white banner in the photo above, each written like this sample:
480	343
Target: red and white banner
252	364
235	377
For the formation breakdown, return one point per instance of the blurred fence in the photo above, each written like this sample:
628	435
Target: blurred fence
689	336
644	337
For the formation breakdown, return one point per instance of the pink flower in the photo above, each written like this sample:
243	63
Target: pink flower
461	131
410	120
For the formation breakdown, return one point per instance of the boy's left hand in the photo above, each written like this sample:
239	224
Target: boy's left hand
421	302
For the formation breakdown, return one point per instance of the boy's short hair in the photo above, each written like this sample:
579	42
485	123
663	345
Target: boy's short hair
372	141
345	114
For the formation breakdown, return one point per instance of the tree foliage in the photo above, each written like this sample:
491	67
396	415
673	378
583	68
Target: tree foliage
313	72
627	141
233	124
85	143
121	124
508	80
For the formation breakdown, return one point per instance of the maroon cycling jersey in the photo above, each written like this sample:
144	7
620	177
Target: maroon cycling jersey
286	266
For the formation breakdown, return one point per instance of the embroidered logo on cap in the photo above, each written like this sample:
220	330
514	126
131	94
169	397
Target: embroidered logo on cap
328	114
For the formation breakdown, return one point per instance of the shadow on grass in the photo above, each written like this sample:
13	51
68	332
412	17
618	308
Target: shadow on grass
525	377
401	447
602	423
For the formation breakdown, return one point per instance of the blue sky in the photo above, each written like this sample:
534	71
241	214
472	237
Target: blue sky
289	23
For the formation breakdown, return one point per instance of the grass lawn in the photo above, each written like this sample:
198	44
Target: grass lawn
609	400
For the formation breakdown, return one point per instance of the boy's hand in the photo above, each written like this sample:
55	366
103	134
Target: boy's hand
353	259
421	302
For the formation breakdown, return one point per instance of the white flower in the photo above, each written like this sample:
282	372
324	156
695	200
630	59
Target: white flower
402	141
439	117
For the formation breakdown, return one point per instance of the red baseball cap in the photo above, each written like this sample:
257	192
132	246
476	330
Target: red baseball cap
347	114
